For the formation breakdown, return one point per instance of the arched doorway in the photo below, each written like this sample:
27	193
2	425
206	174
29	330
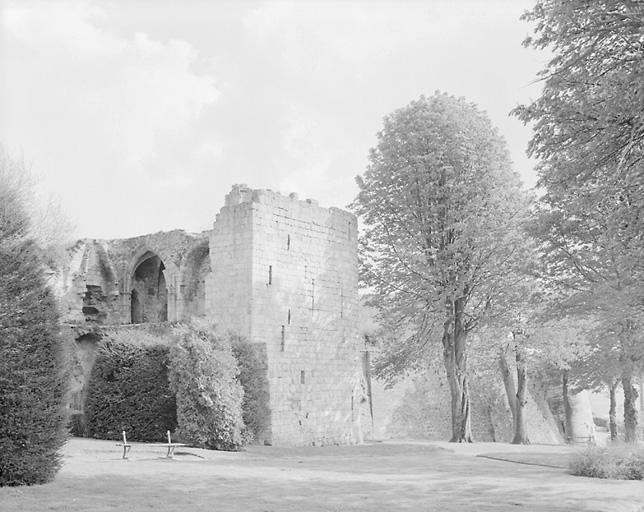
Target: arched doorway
149	294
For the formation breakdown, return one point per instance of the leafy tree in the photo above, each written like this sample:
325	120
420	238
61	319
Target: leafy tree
441	209
32	369
589	137
43	221
600	369
527	341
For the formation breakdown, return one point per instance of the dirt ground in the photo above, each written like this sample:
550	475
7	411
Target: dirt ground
392	475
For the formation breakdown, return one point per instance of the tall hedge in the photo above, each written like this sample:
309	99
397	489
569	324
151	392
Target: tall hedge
203	375
253	376
128	389
32	364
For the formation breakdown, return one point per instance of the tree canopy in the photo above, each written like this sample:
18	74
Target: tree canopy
441	209
588	133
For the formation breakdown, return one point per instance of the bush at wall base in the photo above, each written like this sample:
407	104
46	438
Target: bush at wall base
128	388
253	376
203	376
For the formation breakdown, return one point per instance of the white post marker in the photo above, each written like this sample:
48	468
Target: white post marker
126	447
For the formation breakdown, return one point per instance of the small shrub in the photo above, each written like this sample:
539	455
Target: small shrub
617	461
203	375
253	376
129	390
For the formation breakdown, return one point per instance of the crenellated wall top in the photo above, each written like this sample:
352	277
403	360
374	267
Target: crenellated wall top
241	193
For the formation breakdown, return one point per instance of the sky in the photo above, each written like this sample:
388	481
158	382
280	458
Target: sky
140	115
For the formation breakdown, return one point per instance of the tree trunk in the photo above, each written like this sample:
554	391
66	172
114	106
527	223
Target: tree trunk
508	383
490	421
612	411
455	359
520	426
630	408
569	434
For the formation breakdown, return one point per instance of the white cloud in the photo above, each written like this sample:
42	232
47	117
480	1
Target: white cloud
117	104
121	111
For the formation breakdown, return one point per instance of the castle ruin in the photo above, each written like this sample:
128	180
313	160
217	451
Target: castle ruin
279	271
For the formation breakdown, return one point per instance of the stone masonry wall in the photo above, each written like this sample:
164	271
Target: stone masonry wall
229	284
279	271
298	296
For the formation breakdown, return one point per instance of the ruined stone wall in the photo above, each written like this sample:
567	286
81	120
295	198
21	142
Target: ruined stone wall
229	284
167	272
294	269
281	272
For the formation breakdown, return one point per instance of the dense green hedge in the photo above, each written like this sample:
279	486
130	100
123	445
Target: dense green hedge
203	375
253	376
32	363
219	380
128	389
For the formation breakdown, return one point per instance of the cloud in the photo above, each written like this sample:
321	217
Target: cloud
123	111
347	64
142	114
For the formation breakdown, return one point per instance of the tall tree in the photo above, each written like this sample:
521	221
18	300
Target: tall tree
441	209
589	137
508	334
527	343
32	355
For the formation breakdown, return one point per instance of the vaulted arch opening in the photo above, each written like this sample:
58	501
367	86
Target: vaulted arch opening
193	285
149	294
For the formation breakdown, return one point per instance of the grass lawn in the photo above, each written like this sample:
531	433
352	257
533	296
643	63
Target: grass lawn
380	476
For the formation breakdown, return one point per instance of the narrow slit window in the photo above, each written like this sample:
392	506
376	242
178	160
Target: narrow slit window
302	377
288	243
283	343
270	274
289	317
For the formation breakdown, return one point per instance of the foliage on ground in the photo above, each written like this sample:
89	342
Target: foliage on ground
617	461
203	375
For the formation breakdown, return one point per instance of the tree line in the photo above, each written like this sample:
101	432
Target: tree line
453	249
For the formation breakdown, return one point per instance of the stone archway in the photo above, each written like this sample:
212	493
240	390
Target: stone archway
193	284
149	293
